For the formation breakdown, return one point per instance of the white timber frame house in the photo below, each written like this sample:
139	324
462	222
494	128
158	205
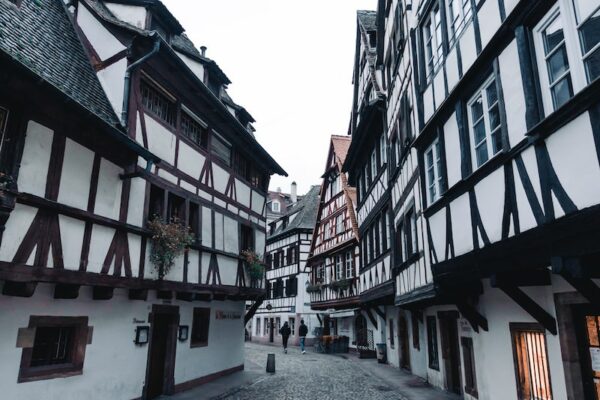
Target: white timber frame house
335	255
82	304
287	299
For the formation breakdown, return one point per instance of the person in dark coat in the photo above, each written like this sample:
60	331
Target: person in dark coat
285	333
302	332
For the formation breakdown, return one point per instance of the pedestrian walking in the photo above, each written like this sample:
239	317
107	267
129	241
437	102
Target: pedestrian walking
303	331
285	333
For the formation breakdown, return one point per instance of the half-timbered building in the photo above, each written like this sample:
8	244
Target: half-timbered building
287	299
334	254
507	136
110	118
367	167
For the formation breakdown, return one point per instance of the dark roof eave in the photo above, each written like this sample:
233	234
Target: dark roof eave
113	131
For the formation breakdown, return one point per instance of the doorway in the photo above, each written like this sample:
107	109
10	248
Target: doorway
588	342
160	371
450	350
403	342
272	330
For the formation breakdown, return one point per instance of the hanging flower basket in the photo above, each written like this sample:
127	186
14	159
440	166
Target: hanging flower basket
341	284
314	288
254	266
169	241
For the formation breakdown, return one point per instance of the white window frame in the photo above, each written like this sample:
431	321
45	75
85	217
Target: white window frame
482	91
339	267
578	25
565	11
383	149
465	15
432	33
339	224
348	271
435	168
374	166
276	206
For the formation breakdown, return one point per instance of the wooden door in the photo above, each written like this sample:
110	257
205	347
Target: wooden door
450	350
531	361
160	372
588	321
403	342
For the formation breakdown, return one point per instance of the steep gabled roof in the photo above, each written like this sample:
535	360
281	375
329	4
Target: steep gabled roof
156	6
306	210
368	19
39	36
341	144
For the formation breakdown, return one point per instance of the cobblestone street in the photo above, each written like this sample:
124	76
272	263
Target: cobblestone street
310	376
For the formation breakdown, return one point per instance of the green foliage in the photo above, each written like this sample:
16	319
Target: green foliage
341	284
254	265
169	240
314	288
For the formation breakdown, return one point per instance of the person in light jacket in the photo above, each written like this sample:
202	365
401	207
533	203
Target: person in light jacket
303	331
285	333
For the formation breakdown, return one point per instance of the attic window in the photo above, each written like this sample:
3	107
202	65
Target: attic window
158	103
193	130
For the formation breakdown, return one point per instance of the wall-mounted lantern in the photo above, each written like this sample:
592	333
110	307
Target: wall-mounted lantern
141	335
183	333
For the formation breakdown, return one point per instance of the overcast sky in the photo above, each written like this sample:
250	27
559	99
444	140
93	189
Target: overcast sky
290	62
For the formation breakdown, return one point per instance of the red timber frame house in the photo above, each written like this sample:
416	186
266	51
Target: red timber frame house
81	293
335	254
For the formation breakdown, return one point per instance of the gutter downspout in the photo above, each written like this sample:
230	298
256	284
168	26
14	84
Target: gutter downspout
127	89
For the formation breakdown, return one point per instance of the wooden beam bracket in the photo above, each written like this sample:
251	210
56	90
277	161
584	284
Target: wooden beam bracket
102	292
472	315
66	291
531	307
19	289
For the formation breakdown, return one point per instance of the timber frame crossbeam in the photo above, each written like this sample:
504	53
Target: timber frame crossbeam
470	313
579	272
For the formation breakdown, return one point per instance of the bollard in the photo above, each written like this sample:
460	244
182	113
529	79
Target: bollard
271	363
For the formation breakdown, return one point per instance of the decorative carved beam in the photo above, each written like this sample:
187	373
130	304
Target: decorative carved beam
531	307
472	315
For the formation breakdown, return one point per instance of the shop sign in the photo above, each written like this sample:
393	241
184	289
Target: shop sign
220	314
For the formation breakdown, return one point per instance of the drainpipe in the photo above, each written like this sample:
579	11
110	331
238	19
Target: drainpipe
127	90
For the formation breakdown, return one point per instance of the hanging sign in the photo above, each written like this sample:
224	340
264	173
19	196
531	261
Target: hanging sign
219	314
595	357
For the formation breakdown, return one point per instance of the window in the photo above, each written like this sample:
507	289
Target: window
339	224
194	220
391	325
257	326
378	232
383	149
159	104
57	349
432	343
374	163
278	324
349	264
194	130
176	208
469	366
320	272
269	261
292	324
276	206
339	267
484	122
531	359
221	149
400	254
588	25
433	171
266	327
200	327
384	231
292	286
459	14
415	330
246	237
432	40
414	239
157	201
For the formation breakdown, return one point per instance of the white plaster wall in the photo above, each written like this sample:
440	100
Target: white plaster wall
76	174
526	217
428	103
258	201
190	161
160	140
108	195
133	15
103	41
135	249
71	234
512	88
437	226
207	227
452	69
468	51
112	79
35	160
227	269
461	229
231	237
243	193
438	87
137	195
16	227
490	201
260	242
453	153
221	178
193	272
101	237
489	21
195	66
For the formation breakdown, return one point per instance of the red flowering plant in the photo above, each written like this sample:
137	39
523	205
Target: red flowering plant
169	241
254	265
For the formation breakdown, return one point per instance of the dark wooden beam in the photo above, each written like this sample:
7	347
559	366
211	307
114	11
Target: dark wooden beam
19	289
220	297
585	286
102	292
472	315
203	297
164	294
379	312
66	291
319	318
138	294
531	307
250	313
371	317
537	277
184	296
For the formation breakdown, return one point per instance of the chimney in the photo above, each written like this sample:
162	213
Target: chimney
294	193
203	51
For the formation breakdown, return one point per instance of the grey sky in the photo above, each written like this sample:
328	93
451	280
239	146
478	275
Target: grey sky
290	62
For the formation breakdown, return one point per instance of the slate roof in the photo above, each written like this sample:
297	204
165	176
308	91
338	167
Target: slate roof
368	19
306	208
39	35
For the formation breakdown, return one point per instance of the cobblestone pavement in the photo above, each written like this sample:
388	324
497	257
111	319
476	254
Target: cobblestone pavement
310	376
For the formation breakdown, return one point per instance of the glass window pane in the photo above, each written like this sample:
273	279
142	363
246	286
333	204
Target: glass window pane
496	141
477	109
479	132
481	154
562	91
584	8
492	94
553	34
558	63
494	115
590	32
592	65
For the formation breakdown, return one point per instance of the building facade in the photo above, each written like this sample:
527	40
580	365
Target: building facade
287	299
491	120
334	255
279	202
109	119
